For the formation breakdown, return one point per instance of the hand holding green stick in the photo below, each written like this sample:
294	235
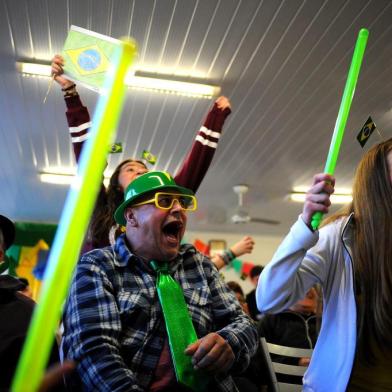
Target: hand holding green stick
344	111
73	226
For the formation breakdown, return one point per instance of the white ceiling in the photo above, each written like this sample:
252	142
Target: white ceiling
283	64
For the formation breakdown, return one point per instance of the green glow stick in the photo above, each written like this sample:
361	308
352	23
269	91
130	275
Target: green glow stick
344	111
73	226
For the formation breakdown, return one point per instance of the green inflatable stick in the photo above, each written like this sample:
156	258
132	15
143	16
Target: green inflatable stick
344	111
73	226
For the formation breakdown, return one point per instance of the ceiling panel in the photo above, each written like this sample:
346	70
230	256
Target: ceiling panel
283	64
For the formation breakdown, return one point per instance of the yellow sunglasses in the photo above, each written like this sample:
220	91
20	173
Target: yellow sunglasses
165	201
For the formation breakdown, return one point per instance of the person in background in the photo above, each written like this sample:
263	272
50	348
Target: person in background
26	290
103	230
298	327
53	379
15	313
7	235
115	326
239	293
244	246
294	327
351	258
254	377
251	297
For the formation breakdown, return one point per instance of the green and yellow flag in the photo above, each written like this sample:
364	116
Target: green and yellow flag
150	158
366	131
88	56
116	148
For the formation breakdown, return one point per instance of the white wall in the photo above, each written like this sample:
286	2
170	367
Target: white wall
263	251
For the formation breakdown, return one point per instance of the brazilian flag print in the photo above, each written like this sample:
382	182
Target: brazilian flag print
366	131
88	56
150	158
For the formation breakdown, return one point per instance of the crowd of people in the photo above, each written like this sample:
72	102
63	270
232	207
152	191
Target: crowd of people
146	312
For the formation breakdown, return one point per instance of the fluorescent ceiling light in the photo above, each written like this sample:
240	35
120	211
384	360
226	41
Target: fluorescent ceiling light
59	179
336	198
171	86
34	69
140	80
174	72
305	188
62	176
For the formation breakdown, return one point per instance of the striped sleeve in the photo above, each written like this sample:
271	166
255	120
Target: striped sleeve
207	137
199	158
79	123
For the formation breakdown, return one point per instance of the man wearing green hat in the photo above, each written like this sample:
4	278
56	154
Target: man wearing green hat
150	314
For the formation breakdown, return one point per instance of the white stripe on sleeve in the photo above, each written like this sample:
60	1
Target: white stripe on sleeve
206	142
81	127
208	132
78	139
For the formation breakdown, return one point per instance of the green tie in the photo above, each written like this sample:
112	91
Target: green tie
179	328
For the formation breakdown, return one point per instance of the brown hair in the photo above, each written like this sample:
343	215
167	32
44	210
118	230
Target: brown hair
372	249
235	287
108	201
342	212
372	206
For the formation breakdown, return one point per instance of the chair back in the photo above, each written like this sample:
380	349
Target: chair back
281	368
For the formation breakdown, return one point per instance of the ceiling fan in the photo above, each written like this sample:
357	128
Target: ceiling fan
242	215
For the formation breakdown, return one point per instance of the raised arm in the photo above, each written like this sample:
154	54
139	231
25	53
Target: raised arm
199	158
78	117
242	247
303	258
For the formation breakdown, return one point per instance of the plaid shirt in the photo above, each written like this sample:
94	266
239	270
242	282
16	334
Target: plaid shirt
114	326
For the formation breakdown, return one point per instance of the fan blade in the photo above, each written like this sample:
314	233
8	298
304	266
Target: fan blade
265	221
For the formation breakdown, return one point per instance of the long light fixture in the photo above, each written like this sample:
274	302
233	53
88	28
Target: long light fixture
62	176
139	80
341	195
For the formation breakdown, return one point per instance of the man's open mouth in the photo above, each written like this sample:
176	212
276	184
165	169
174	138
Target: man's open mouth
172	231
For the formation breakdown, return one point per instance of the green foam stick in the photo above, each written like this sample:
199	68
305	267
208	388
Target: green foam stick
344	111
73	226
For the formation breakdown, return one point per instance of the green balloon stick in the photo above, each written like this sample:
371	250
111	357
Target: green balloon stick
73	226
344	111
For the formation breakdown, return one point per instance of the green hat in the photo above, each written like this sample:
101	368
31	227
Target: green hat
146	183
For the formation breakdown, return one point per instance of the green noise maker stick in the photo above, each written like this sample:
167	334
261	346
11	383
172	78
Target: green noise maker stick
73	225
344	110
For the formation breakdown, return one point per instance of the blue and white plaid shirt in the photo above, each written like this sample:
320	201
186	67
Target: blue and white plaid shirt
114	326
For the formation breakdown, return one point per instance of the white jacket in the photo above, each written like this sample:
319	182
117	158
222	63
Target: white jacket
303	259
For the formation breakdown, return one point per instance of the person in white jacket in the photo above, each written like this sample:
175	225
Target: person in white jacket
351	258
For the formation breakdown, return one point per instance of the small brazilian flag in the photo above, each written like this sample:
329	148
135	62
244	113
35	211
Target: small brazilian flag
88	57
89	60
115	148
366	131
150	158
